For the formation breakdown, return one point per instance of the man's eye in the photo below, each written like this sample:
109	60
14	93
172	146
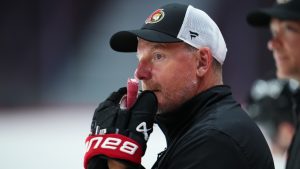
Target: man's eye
158	56
291	28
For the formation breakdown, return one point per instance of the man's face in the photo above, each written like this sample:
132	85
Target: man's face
285	45
169	70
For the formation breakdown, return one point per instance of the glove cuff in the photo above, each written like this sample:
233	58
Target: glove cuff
113	146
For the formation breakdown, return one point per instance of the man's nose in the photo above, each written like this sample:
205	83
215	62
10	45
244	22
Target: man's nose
273	43
143	71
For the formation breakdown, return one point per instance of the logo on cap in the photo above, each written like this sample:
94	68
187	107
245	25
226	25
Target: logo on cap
155	17
193	34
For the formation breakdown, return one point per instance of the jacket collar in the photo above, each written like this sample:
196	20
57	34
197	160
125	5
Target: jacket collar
173	123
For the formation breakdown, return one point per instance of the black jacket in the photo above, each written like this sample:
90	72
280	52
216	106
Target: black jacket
293	161
211	131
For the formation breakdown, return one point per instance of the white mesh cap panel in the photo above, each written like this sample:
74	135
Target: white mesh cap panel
199	30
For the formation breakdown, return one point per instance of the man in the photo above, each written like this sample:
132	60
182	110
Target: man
284	21
180	51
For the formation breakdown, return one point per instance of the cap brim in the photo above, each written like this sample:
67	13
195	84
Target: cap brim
126	41
259	18
262	17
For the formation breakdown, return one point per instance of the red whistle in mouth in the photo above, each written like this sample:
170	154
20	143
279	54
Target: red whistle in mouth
132	92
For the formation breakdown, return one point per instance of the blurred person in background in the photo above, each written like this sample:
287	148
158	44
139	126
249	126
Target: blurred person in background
270	105
283	19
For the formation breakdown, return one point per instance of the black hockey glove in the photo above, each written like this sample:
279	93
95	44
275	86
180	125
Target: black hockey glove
119	133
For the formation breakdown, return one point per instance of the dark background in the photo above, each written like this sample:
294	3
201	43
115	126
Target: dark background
57	52
56	66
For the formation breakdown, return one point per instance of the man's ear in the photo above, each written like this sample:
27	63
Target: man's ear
204	61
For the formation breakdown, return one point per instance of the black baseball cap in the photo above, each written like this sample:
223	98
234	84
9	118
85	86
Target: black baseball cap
285	10
174	23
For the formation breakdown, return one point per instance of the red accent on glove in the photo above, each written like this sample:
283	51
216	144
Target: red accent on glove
113	146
